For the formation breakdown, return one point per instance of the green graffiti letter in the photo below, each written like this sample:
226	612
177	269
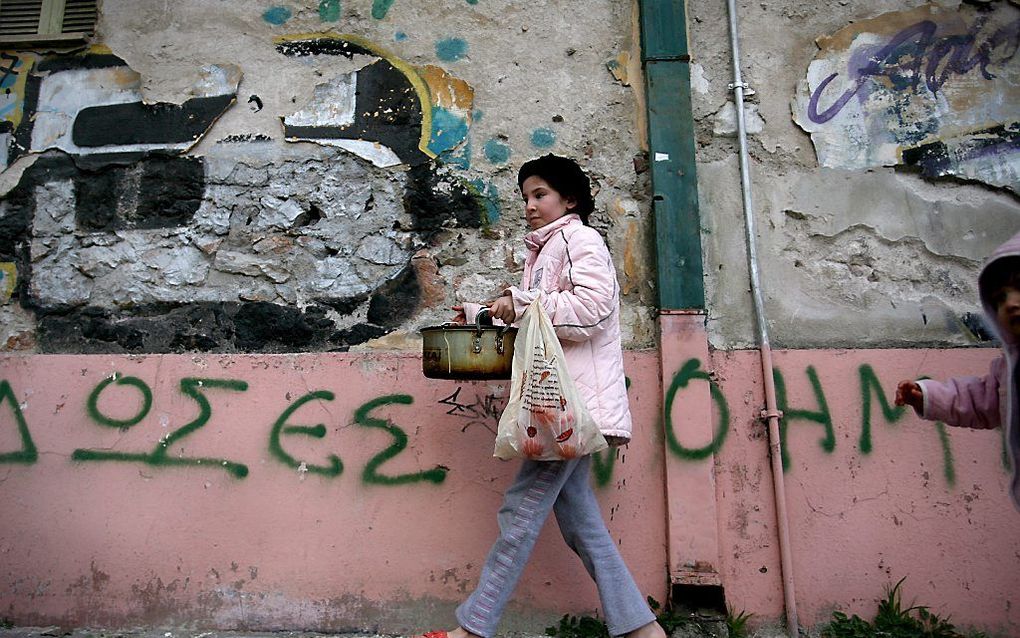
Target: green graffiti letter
892	414
948	469
27	454
335	466
102	419
371	473
602	463
822	416
159	457
691	370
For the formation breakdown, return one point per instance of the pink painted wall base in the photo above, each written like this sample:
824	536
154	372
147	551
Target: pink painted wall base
341	491
320	492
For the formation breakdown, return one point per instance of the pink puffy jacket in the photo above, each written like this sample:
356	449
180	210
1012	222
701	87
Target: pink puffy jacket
991	400
570	265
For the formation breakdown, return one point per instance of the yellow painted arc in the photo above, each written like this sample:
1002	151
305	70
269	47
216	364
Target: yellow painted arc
424	96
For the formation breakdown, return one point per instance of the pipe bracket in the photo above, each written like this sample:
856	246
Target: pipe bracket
743	86
766	414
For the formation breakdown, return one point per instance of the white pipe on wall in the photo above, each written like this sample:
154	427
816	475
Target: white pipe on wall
771	412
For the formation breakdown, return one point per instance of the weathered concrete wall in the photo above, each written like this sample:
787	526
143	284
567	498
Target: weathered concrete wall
338	491
301	177
225	181
884	165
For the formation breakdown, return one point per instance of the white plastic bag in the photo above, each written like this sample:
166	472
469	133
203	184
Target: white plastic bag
545	418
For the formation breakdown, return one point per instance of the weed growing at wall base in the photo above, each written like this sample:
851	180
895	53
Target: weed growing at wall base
578	627
671	619
894	621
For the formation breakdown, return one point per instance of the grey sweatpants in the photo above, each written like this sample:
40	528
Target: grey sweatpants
562	487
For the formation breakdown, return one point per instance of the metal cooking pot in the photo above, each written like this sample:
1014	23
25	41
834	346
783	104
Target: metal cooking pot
466	352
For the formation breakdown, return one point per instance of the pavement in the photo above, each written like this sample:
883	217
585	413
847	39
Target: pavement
88	632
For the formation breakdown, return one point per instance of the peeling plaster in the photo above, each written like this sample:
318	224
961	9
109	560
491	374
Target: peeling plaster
849	259
930	87
620	68
699	83
725	121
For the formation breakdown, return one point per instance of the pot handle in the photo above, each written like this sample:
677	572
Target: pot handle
484	319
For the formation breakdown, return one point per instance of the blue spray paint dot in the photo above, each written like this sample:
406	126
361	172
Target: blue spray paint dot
543	138
489	197
329	10
276	15
476	115
497	152
451	49
399	36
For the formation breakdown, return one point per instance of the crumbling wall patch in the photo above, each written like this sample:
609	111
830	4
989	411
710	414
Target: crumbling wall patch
930	87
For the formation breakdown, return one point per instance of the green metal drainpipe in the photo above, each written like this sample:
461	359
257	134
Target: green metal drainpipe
666	63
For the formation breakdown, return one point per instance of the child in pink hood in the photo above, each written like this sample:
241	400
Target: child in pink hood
994	399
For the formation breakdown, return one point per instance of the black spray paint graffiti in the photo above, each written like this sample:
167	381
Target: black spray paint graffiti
196	389
485	410
386	110
155	187
916	55
938	159
136	123
124	131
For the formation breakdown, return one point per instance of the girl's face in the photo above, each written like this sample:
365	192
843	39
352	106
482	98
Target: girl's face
542	203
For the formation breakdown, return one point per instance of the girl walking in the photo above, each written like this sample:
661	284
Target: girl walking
569	269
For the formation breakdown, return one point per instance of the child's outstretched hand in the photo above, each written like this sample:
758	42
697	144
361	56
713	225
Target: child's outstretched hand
459	317
909	393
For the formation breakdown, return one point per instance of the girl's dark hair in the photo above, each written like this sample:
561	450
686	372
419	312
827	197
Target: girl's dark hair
565	176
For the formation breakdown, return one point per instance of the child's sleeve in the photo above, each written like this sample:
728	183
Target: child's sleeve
582	311
969	402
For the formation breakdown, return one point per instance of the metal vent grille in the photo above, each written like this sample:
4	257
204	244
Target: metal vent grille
46	20
79	16
20	17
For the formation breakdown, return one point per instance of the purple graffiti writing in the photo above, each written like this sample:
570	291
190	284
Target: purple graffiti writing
915	53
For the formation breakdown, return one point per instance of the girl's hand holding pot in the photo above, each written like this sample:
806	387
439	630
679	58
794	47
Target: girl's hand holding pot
503	309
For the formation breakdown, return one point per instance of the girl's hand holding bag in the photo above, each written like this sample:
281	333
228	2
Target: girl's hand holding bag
546	418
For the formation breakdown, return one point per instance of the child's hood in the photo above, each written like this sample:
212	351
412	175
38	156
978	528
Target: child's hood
1009	248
